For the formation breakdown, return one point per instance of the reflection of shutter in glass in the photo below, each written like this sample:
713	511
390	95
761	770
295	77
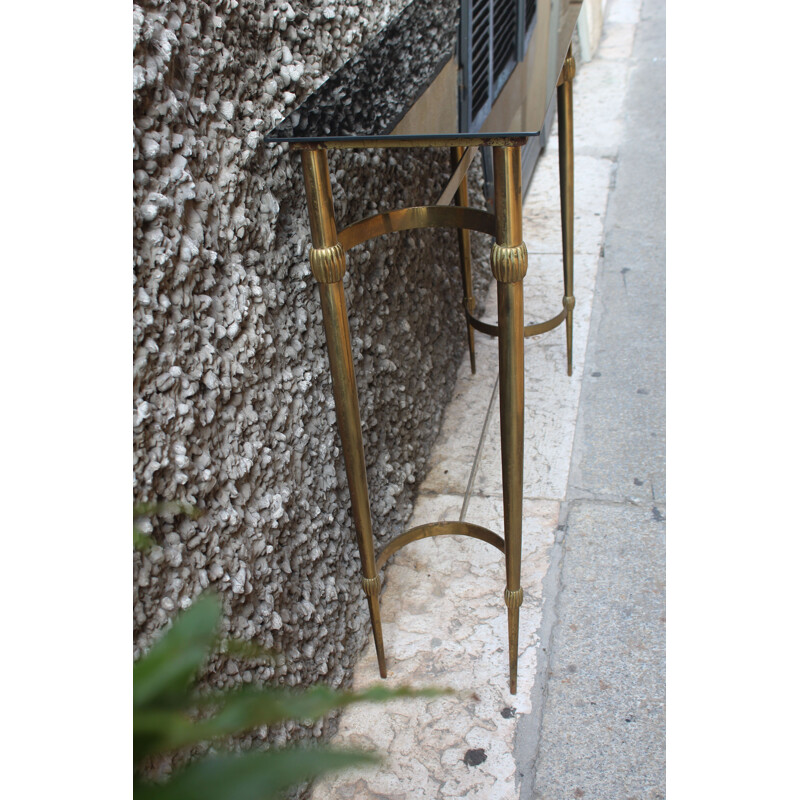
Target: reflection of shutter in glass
530	10
504	39
481	39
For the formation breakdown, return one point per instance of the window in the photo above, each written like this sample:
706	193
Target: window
494	37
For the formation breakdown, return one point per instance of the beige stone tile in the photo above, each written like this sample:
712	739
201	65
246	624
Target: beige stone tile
455	448
599	102
623	11
617	41
445	624
541	213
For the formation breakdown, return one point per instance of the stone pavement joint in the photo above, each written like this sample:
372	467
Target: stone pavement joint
527	736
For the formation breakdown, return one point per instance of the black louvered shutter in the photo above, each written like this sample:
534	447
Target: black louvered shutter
504	40
481	55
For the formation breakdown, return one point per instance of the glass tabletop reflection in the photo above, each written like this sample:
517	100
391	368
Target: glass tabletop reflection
365	99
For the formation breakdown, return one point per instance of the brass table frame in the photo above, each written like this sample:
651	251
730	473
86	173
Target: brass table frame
509	262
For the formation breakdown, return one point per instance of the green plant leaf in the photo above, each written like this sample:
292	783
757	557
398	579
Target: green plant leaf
284	704
247	650
242	710
154	730
170	507
164	675
141	541
250	707
253	776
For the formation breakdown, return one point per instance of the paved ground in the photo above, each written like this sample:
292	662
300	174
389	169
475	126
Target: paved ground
598	727
587	720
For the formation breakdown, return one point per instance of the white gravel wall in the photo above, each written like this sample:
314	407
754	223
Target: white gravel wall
233	409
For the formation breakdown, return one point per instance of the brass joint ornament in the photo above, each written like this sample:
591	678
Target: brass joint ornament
513	598
327	263
569	303
509	262
371	586
568	70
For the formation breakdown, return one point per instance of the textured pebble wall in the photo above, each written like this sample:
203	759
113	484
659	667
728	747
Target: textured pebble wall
233	409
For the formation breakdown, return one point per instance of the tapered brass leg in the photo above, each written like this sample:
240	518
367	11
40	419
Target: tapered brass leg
328	266
566	168
509	265
462	199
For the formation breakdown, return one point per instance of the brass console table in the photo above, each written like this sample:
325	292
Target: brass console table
509	263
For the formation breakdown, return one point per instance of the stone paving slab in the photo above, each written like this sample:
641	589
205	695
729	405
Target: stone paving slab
541	215
625	372
624	11
453	453
617	40
598	727
599	99
602	734
445	624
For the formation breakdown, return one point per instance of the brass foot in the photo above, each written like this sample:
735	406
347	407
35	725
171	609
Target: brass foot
469	305
471	335
513	600
569	305
372	588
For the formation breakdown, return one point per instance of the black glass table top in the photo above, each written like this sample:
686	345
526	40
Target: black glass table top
364	100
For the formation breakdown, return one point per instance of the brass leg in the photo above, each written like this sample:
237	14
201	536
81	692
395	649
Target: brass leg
566	168
509	265
328	266
462	199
